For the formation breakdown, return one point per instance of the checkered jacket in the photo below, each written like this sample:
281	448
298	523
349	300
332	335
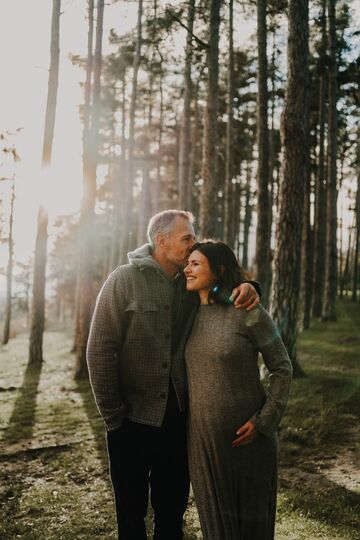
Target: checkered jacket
136	343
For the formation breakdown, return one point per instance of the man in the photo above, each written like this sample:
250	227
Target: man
141	321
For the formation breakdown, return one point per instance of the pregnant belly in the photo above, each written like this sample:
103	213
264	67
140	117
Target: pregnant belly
223	416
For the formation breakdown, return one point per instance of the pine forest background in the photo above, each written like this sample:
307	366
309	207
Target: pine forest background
260	141
245	113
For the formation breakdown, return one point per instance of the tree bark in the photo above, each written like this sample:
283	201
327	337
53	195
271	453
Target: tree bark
355	283
120	186
229	163
247	216
320	186
38	292
286	282
9	270
263	230
160	137
329	310
345	276
145	204
307	259
185	147
89	67
195	147
128	239
90	159
208	206
87	118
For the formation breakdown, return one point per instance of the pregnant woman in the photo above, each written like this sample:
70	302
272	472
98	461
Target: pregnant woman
232	423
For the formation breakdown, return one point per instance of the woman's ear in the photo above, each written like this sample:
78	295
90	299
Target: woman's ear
222	269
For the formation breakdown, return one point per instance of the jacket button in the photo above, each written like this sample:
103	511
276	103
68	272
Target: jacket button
163	395
167	336
165	365
167	307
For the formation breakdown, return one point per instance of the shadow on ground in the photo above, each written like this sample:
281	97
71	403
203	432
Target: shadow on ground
94	419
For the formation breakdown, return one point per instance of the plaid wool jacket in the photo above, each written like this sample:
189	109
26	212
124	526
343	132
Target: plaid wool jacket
136	343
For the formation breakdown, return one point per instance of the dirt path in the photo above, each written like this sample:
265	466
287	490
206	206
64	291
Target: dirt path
53	462
338	463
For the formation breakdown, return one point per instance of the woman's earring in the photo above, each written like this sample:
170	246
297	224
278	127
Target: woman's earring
222	294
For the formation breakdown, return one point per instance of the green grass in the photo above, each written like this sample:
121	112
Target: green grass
320	434
54	481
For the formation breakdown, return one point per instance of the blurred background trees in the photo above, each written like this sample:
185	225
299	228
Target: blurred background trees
258	138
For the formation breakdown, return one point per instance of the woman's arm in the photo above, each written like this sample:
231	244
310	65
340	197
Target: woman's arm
266	338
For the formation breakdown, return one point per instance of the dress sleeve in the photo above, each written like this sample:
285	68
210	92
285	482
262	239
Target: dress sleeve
103	348
266	338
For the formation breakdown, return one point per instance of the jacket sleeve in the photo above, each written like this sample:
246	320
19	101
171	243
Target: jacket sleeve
256	286
104	343
266	338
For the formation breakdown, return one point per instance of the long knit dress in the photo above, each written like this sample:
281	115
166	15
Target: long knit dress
234	488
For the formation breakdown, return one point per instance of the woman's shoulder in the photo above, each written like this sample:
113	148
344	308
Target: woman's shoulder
253	317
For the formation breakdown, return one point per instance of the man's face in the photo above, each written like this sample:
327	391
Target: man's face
180	240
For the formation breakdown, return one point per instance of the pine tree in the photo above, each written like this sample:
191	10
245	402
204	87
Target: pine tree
38	293
287	261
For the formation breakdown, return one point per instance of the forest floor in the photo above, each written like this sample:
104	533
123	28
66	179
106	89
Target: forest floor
54	480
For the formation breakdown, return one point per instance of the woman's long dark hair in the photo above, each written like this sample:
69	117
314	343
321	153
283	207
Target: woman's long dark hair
224	265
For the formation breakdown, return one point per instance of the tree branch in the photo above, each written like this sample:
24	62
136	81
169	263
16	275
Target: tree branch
202	44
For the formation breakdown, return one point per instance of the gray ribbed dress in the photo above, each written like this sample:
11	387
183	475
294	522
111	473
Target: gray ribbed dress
234	488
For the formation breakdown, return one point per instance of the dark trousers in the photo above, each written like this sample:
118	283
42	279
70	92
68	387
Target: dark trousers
143	455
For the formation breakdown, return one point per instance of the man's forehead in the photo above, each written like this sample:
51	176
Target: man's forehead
182	226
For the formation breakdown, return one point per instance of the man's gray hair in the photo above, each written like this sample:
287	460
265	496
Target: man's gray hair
161	223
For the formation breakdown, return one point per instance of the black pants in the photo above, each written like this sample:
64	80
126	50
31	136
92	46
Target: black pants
143	455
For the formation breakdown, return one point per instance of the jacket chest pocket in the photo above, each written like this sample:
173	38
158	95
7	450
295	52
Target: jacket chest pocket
142	320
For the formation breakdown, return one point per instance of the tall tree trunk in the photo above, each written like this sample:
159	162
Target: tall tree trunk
87	115
307	259
263	231
236	211
355	283
287	265
90	159
185	147
329	310
320	186
120	186
208	206
229	163
341	254
195	147
272	120
160	137
272	138
145	204
9	270
128	238
89	67
344	283
38	293
248	215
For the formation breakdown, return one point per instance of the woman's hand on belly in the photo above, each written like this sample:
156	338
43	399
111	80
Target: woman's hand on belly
246	434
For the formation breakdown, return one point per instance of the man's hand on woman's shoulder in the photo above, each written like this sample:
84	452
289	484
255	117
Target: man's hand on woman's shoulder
245	296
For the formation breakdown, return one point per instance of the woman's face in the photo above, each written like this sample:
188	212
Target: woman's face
198	273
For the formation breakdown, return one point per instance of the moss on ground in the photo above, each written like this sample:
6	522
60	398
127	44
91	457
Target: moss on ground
54	481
